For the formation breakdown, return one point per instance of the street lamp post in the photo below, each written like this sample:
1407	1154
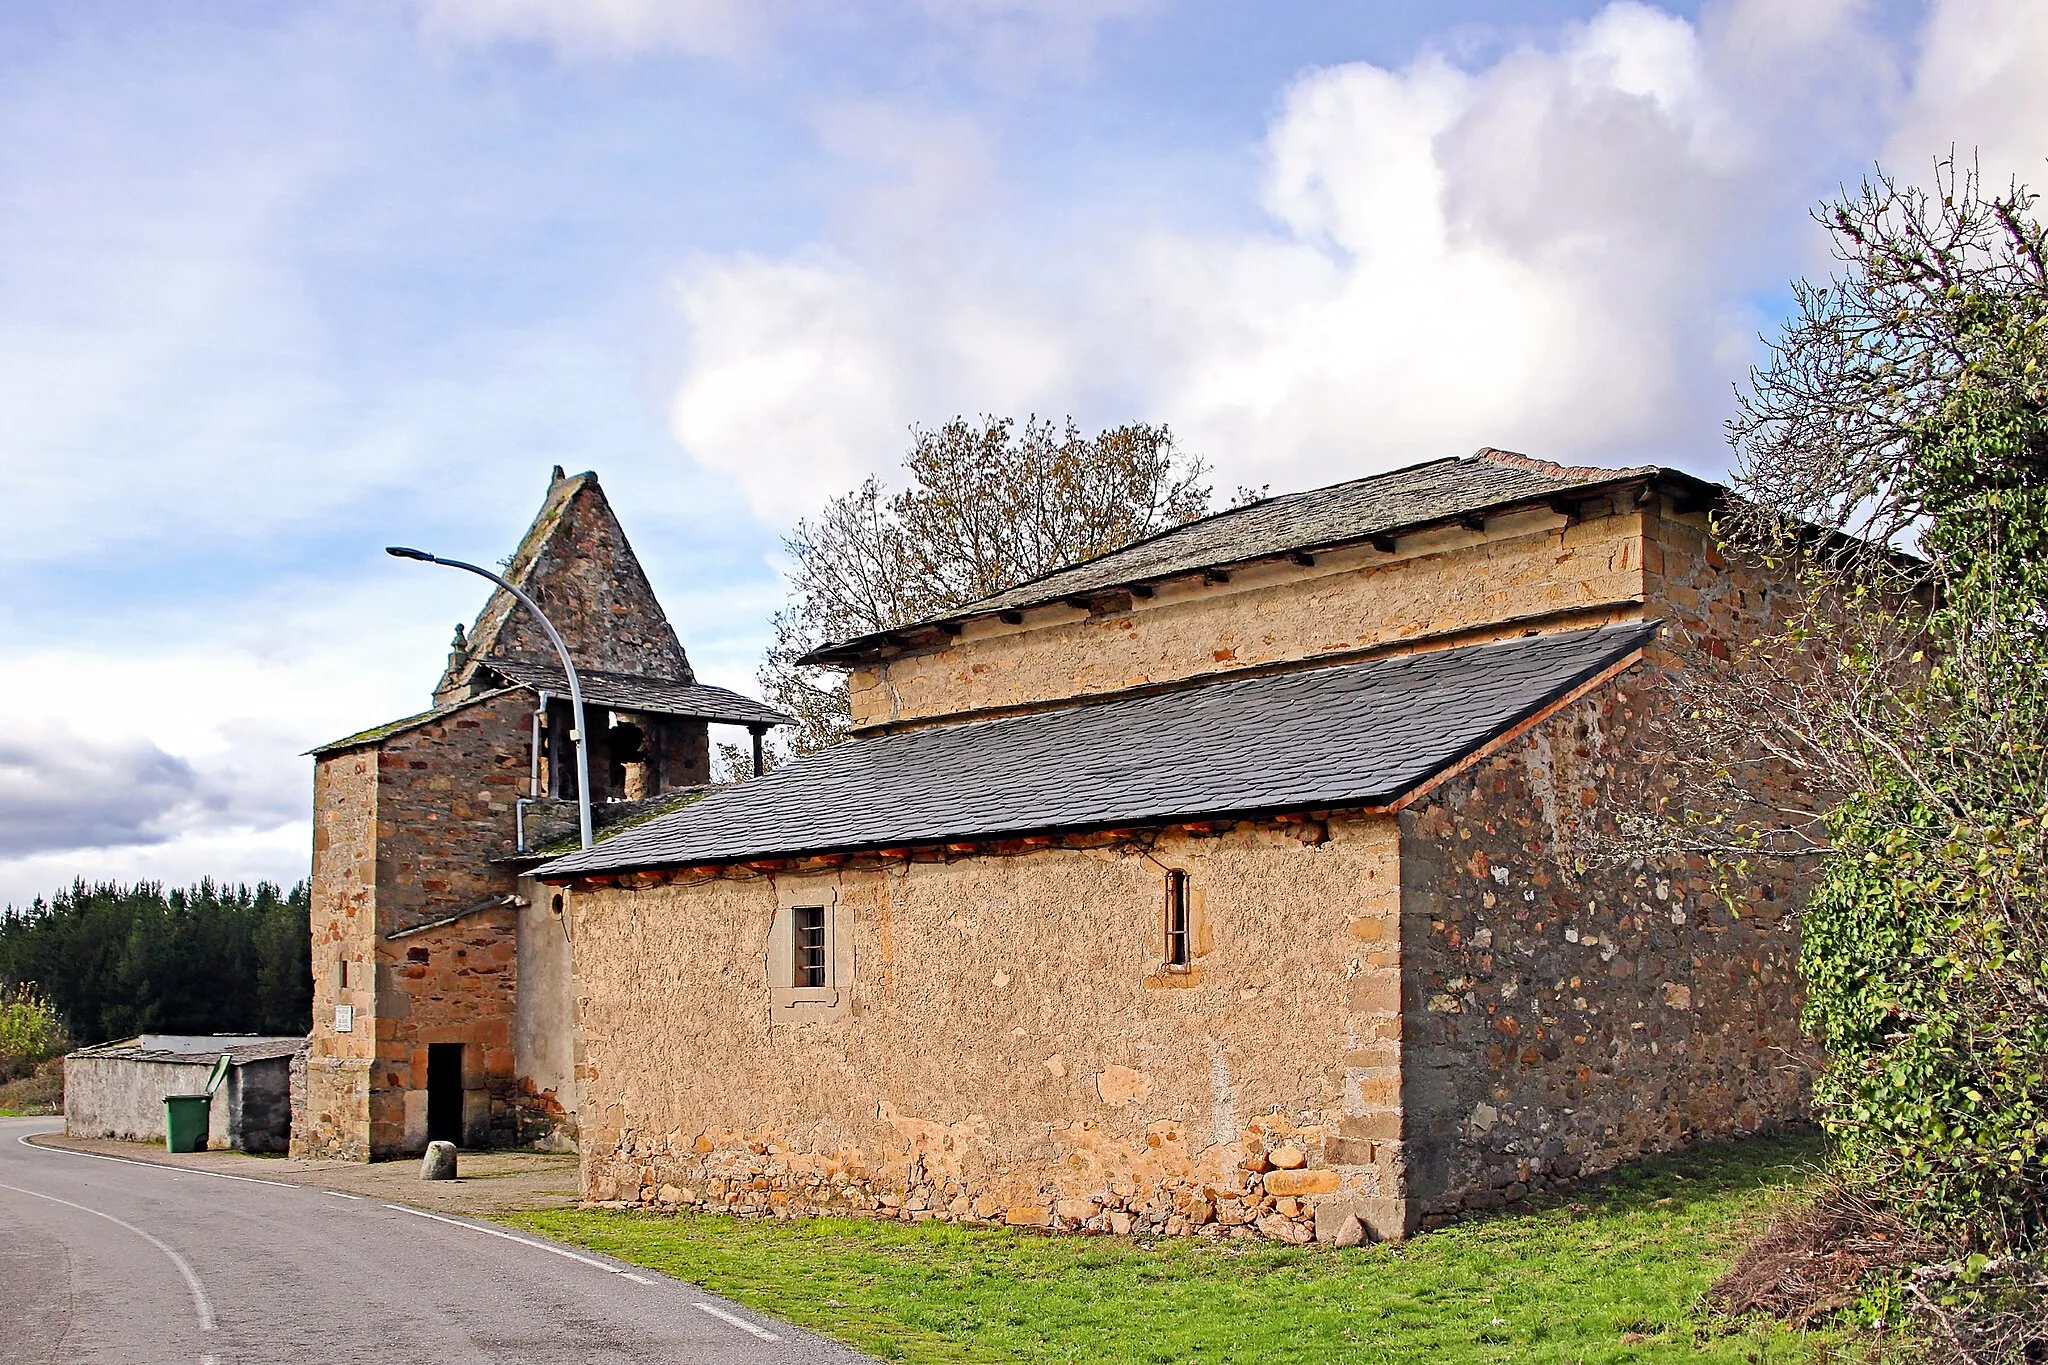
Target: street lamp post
568	667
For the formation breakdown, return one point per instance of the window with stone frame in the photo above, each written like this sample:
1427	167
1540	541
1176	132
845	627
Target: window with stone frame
810	950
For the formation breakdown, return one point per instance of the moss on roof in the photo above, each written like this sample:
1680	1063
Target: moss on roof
651	809
379	733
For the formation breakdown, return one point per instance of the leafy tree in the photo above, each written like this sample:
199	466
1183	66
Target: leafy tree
1894	464
113	960
989	505
30	1032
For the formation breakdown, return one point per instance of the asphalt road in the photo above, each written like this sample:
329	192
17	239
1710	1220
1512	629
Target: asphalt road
103	1260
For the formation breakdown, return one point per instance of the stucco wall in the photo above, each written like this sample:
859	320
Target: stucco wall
123	1097
543	1029
1522	565
1009	1047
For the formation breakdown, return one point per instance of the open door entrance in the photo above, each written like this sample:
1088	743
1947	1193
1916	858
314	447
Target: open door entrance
444	1092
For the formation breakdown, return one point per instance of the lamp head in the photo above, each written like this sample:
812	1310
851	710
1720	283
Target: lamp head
402	552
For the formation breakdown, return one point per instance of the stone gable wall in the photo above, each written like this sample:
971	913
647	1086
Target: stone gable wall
1009	1048
590	583
1561	1020
1523	565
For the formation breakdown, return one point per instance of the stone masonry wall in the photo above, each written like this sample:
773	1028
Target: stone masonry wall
333	1116
576	562
444	806
1522	565
1562	1019
1009	1048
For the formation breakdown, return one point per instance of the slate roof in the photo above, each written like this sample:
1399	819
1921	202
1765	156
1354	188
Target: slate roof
1359	734
1345	513
195	1050
630	692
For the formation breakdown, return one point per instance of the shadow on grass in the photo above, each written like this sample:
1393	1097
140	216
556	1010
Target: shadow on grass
1710	1170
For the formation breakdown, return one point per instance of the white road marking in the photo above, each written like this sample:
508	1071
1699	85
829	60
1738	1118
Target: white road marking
152	1165
715	1311
338	1194
200	1304
524	1241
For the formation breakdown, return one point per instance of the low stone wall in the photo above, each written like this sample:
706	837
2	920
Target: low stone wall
1269	1194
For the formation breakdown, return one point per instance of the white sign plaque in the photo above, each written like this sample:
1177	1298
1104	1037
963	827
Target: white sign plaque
344	1018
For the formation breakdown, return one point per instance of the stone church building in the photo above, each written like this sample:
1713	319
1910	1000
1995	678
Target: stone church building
1225	885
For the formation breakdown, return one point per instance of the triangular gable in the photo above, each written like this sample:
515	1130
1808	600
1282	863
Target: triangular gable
576	562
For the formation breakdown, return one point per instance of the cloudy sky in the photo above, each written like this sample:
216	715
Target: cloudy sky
284	282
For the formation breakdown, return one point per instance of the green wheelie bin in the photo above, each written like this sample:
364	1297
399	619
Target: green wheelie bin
185	1116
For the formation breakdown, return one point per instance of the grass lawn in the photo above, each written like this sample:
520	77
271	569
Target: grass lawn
1613	1274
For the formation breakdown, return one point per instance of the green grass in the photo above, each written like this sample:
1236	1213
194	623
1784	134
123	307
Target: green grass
1614	1273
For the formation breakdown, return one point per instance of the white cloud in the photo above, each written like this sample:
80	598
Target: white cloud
1553	252
718	28
1979	86
140	759
1002	36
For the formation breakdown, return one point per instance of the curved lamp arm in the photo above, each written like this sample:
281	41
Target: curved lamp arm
568	667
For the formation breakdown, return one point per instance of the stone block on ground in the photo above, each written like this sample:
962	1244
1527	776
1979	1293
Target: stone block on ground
439	1162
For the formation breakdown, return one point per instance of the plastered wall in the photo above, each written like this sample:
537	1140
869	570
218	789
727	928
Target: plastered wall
1526	564
543	1035
1009	1047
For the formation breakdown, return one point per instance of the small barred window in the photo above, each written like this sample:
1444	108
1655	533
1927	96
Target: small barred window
808	924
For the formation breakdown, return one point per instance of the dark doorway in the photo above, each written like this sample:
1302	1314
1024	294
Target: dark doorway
444	1092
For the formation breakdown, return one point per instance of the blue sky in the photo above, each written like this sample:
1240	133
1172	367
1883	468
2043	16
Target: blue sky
281	283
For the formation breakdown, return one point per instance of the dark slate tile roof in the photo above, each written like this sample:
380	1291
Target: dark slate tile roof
1361	734
1322	517
195	1050
630	692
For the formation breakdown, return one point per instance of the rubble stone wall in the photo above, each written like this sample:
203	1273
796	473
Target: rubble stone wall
1010	1047
1563	1018
1523	565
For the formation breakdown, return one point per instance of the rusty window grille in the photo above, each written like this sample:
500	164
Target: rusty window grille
809	924
1177	954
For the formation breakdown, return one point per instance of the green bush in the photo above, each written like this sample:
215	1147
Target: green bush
1929	1005
30	1032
